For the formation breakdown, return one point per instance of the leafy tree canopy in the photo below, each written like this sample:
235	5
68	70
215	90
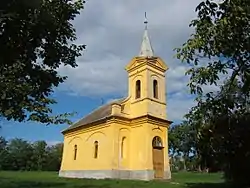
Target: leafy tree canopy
221	45
19	154
222	40
36	38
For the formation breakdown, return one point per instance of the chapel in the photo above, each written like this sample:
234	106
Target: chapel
127	138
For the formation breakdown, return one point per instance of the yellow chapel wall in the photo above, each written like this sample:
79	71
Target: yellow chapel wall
139	150
138	106
162	132
138	147
157	106
142	152
84	139
136	155
122	147
131	154
147	104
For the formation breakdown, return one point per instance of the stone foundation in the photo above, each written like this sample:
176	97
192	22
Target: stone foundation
167	174
112	174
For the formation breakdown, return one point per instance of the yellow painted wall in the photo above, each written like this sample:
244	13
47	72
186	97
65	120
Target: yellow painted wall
143	135
146	104
136	147
139	147
122	146
84	139
162	133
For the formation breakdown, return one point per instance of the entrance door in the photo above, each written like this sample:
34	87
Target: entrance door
158	158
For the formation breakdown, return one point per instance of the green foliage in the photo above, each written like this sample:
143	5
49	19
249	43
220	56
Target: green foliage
54	157
39	154
221	45
3	153
18	154
182	138
221	41
36	38
183	147
224	138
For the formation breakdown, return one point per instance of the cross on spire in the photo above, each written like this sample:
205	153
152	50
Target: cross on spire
146	21
146	48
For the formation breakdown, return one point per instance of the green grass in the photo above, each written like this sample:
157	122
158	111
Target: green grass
51	180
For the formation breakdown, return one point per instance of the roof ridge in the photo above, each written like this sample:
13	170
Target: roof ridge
98	112
95	109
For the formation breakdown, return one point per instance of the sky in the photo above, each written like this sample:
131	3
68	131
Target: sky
112	31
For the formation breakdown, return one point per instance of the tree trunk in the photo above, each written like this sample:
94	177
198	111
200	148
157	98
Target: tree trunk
184	163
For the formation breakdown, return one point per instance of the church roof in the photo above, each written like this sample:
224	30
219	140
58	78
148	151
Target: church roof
146	47
98	114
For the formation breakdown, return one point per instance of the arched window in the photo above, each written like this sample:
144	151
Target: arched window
95	149
123	147
155	89
75	151
138	89
157	142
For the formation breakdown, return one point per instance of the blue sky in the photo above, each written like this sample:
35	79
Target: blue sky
52	133
112	31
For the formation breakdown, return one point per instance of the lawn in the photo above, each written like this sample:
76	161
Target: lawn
51	180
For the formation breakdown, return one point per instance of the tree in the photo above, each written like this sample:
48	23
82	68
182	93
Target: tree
221	45
20	154
36	38
221	42
3	153
40	155
223	138
182	142
54	157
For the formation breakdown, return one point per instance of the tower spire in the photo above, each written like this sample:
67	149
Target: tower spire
146	48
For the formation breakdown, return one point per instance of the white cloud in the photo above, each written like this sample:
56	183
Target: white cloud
178	105
112	31
53	142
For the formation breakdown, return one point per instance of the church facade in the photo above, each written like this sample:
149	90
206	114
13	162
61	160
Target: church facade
127	138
